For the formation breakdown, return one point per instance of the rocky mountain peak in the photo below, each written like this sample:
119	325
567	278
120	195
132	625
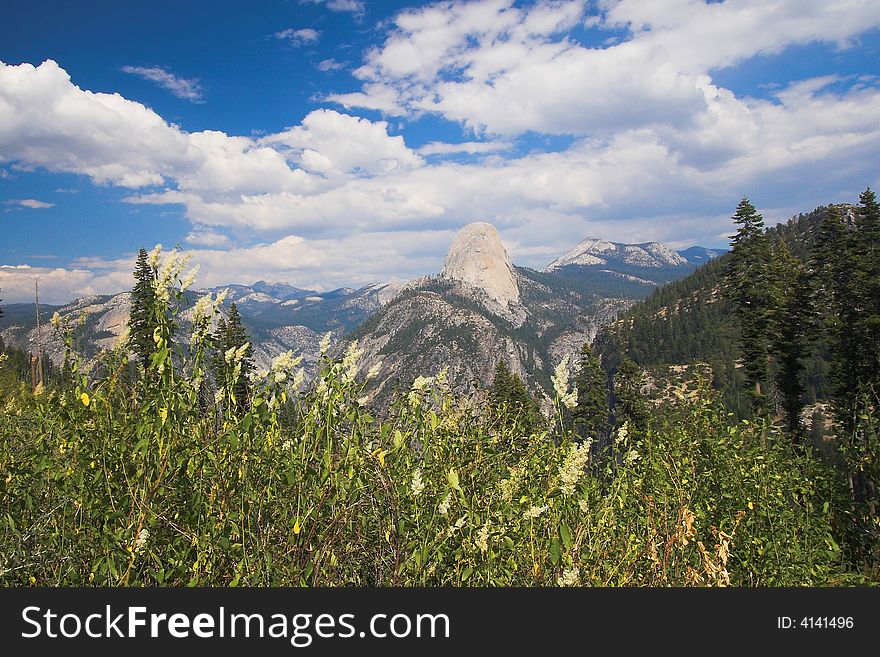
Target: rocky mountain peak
593	251
478	258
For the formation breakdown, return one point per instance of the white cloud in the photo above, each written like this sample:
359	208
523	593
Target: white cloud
59	285
330	65
206	237
469	147
31	203
334	144
183	88
300	37
353	6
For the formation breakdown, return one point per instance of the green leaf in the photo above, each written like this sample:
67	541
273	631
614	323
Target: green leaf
565	532
554	550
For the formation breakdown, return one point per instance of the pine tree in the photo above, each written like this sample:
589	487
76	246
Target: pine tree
867	290
142	319
590	416
510	398
1	310
630	405
230	337
792	318
749	286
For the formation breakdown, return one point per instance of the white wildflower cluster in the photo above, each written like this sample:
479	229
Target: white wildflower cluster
443	508
417	485
457	526
483	538
534	512
169	272
56	320
282	365
560	385
569	577
631	457
141	541
325	343
236	354
583	506
153	258
418	388
572	467
189	279
350	361
374	370
622	434
511	485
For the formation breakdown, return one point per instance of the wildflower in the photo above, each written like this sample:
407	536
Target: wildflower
417	485
325	343
285	361
483	538
569	577
187	282
418	387
443	509
573	467
583	506
631	457
280	377
422	382
298	378
141	541
350	360
153	258
221	298
229	356
374	370
84	398
458	525
510	485
236	354
56	319
202	308
560	384
534	512
622	433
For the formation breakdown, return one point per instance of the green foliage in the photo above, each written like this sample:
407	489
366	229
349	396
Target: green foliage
115	482
232	361
511	401
590	416
749	286
142	323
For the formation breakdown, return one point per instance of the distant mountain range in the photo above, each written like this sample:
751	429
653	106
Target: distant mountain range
479	309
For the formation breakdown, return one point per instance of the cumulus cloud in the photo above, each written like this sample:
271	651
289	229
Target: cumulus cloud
300	37
59	284
190	90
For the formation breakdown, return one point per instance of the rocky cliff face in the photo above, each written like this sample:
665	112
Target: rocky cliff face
478	258
481	309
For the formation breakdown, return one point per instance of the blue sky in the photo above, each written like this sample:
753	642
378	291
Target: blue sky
339	142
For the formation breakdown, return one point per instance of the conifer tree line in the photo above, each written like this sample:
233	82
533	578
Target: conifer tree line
786	306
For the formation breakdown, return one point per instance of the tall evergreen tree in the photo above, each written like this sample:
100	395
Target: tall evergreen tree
867	289
590	416
792	317
630	404
230	337
142	319
749	286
